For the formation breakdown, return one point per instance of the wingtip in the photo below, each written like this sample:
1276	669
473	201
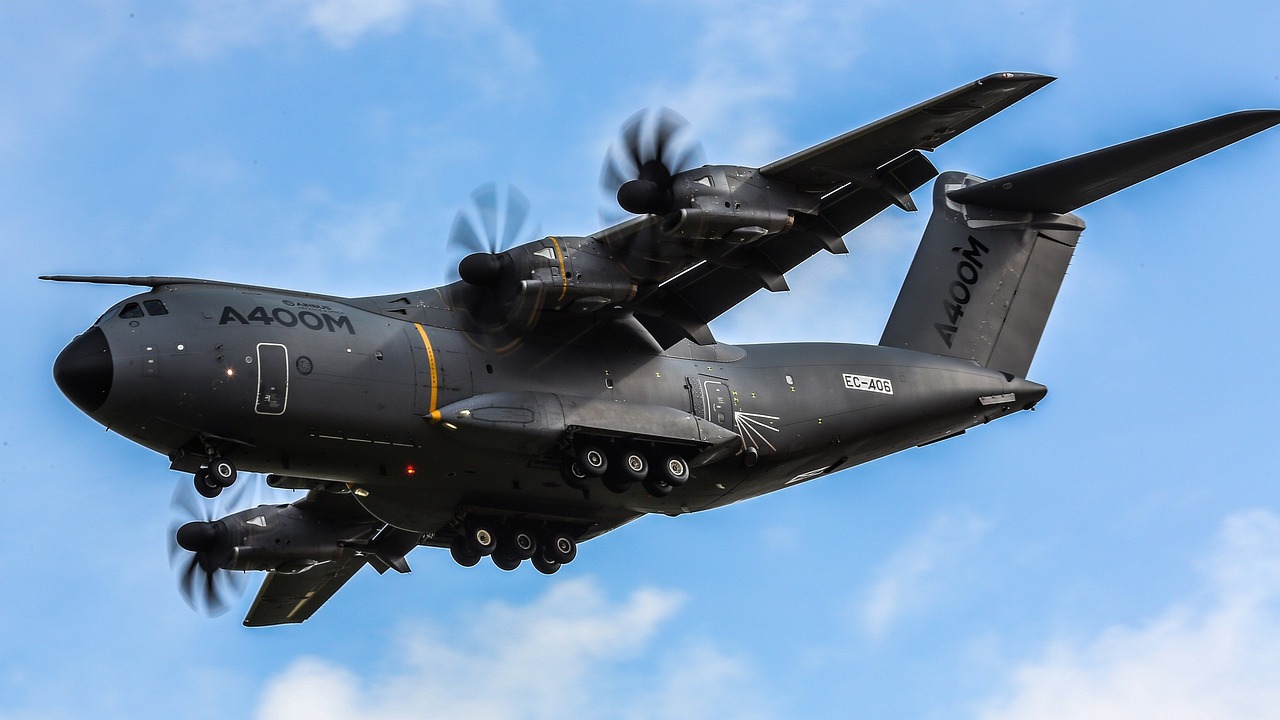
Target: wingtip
1018	78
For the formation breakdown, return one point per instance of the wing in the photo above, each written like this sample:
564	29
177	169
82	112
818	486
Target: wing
857	153
683	306
859	173
293	597
724	232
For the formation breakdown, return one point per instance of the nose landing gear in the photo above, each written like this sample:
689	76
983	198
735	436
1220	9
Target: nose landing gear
213	478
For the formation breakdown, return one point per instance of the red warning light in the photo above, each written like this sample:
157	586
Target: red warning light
410	470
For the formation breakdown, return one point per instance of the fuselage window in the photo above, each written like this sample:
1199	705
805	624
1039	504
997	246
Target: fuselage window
155	307
132	310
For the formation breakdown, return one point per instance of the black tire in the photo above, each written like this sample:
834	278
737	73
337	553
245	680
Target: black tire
634	465
520	543
222	471
545	565
205	484
462	552
592	460
657	487
560	547
506	562
482	540
675	470
573	475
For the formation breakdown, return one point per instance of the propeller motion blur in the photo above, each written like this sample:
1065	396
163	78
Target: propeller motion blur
561	387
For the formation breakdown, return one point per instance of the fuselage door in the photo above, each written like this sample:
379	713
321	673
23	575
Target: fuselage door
273	379
712	400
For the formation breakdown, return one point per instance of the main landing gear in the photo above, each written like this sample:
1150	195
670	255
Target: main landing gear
215	477
621	468
510	545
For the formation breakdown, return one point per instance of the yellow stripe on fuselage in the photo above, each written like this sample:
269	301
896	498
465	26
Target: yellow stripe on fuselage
431	360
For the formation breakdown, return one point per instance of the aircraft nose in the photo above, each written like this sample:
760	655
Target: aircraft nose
83	370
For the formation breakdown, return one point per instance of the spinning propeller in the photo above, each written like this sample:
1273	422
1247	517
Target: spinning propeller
204	584
483	234
654	146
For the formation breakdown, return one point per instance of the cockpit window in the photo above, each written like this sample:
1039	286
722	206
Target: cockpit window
155	307
132	310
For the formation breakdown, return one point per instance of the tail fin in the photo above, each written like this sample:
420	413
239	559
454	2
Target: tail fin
995	252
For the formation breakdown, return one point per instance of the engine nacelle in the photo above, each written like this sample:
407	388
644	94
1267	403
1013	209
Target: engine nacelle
284	538
733	204
736	227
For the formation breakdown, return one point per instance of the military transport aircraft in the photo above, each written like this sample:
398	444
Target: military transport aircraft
568	385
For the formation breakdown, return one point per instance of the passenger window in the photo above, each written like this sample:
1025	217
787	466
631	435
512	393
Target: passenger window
155	307
132	310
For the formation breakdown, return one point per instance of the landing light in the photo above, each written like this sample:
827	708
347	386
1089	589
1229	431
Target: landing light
230	372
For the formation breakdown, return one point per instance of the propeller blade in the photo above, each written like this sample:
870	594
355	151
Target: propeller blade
493	223
654	145
485	200
198	546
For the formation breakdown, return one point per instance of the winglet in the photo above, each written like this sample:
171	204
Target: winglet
1063	186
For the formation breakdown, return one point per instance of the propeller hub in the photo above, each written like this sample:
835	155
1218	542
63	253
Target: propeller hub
642	197
197	536
481	269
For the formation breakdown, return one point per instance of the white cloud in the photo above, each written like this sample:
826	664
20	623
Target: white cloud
912	577
745	67
1216	655
563	655
208	29
343	22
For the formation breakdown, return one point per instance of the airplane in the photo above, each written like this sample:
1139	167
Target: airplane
563	387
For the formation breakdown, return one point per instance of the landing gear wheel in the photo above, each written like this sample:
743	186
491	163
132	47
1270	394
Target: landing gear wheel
462	552
520	544
591	459
657	487
222	471
481	540
544	564
205	484
675	471
560	548
573	475
635	466
506	562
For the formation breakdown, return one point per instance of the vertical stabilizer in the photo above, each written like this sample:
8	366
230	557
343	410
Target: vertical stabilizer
995	251
983	281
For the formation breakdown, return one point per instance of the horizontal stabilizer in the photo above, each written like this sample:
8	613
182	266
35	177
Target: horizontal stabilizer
1063	186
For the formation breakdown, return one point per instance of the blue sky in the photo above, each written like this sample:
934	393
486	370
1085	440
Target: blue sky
1115	554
